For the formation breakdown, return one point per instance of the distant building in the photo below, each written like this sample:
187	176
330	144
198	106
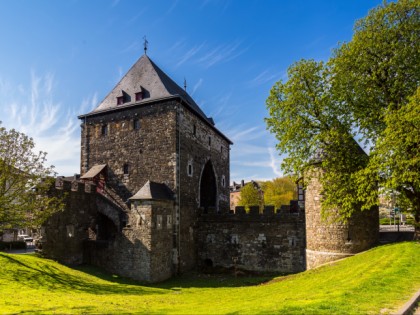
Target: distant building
235	192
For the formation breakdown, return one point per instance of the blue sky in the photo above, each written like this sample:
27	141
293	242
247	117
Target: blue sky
59	59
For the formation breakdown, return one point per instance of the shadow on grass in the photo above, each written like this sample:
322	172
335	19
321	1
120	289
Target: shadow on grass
187	280
49	277
46	275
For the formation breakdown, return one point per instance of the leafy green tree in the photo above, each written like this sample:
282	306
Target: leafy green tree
250	196
319	110
396	158
279	191
380	67
25	182
315	130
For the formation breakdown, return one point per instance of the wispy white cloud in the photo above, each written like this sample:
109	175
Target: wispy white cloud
136	17
134	46
240	133
115	3
224	3
172	7
265	77
89	103
220	54
196	86
275	162
33	110
179	44
207	56
189	54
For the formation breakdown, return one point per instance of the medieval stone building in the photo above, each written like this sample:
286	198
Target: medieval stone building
153	196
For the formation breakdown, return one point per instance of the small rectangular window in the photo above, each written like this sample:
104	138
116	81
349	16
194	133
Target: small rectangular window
104	130
120	100
139	96
209	140
194	130
158	222
125	169
168	221
136	124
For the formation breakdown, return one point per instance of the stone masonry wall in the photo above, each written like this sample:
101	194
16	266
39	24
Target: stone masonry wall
65	232
328	240
148	152
257	242
143	249
199	143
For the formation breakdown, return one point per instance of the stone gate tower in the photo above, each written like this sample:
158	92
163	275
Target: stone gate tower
149	130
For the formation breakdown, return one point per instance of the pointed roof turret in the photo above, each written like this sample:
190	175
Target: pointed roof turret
143	83
154	191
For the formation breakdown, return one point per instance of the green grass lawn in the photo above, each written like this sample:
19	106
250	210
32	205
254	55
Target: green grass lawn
379	280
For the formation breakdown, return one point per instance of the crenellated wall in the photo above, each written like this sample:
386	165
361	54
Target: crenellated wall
64	232
136	243
261	242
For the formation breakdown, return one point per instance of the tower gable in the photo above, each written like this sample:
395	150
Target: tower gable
143	83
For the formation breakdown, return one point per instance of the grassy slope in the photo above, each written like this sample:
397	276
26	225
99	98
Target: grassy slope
382	278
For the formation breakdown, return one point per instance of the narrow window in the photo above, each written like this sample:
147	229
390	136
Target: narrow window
125	169
190	168
158	222
221	149
70	230
209	140
104	130
223	181
136	124
194	130
139	96
168	221
120	100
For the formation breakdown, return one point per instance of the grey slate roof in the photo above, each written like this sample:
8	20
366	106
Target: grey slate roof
146	76
153	191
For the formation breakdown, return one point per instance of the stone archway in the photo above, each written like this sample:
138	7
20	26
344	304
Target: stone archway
208	187
106	229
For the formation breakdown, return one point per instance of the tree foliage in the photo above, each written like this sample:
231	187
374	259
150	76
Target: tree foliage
25	182
379	68
279	191
360	93
250	196
396	157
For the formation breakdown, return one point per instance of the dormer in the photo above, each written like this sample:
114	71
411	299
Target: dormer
123	98
138	96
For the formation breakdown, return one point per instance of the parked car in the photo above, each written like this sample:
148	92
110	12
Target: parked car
26	238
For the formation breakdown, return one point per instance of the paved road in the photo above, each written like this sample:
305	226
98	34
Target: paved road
29	250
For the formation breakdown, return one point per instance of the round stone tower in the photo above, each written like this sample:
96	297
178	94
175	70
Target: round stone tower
326	241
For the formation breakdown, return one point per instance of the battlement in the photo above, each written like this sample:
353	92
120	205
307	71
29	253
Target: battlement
266	240
268	212
74	185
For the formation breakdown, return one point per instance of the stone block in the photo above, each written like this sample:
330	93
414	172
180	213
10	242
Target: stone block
268	210
254	210
240	210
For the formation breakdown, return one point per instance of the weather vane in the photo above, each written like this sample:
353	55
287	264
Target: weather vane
145	44
185	84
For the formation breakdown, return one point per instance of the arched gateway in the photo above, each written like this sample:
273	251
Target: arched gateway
208	188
